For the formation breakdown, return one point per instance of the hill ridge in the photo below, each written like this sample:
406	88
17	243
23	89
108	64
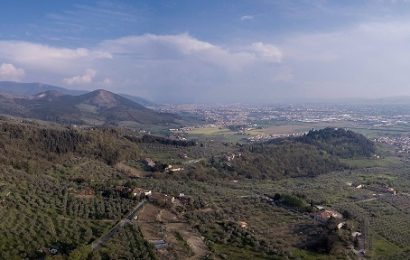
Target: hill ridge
98	107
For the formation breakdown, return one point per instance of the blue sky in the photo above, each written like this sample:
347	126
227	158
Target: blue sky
82	22
211	51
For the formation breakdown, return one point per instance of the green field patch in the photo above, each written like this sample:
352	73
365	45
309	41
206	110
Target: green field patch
370	163
383	248
216	134
210	131
236	253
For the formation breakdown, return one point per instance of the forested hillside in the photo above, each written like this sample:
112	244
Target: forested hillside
99	107
312	154
340	142
62	188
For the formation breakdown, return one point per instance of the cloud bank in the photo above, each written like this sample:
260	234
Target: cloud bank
181	66
84	79
10	72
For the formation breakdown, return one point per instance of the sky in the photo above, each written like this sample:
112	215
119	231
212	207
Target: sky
213	51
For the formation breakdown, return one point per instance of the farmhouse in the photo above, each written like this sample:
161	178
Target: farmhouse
139	192
319	207
232	156
382	189
243	224
171	168
161	199
323	216
341	225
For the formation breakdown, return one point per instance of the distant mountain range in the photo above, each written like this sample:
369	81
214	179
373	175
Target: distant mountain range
19	89
99	107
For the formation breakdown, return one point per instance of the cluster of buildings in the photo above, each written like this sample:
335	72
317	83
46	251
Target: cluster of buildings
237	114
380	188
401	142
251	117
323	216
161	198
167	168
267	137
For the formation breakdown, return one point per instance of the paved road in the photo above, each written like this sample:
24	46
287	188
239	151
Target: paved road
127	220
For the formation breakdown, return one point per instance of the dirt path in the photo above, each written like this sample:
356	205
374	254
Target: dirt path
106	237
194	240
162	224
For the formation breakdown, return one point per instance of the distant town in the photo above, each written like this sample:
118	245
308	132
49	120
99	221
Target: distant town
377	116
253	123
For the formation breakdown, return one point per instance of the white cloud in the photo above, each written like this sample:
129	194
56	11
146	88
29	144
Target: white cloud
247	17
185	66
10	72
53	59
179	64
179	47
86	78
154	43
267	52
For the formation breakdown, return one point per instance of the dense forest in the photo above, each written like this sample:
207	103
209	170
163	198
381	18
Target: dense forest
313	154
339	142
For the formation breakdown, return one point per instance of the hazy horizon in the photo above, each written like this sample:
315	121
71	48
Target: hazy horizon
213	51
283	101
